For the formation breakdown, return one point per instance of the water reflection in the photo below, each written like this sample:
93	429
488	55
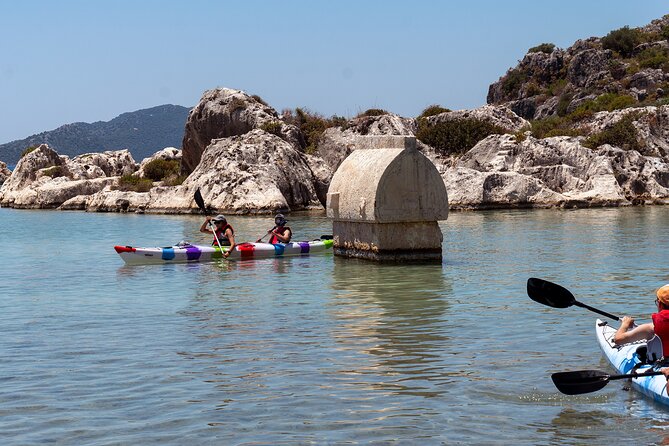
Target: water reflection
396	316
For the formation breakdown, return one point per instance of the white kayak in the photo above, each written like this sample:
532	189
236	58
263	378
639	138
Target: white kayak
185	252
624	358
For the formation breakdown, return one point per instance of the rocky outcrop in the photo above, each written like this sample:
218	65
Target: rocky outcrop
44	179
559	171
499	116
4	172
337	143
548	82
257	172
224	112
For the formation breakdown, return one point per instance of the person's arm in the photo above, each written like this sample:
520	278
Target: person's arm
639	333
231	237
205	226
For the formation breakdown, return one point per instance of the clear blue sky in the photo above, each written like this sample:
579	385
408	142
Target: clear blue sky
67	61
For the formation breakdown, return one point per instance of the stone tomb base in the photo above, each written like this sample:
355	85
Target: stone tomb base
401	242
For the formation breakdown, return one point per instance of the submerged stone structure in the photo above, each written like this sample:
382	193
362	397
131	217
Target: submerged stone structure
385	200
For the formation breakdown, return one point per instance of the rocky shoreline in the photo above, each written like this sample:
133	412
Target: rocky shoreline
260	171
597	135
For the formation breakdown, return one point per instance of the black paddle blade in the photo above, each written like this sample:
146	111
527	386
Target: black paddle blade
549	293
581	381
199	200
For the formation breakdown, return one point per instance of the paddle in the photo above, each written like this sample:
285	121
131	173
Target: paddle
555	296
200	203
260	239
586	381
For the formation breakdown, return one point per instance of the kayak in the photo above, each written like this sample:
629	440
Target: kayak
187	253
625	357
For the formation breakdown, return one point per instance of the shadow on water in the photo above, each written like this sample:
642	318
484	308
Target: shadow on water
395	316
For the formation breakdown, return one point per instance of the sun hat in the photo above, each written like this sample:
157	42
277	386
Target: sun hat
218	218
663	294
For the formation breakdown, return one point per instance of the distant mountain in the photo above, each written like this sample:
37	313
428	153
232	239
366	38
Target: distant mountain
143	132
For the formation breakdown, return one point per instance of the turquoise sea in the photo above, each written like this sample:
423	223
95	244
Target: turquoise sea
320	350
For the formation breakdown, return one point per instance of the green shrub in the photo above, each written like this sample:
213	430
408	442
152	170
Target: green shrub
554	126
433	110
622	41
653	57
563	104
664	32
512	82
28	150
273	127
455	136
556	87
543	48
622	134
133	183
55	171
159	169
259	99
372	112
606	101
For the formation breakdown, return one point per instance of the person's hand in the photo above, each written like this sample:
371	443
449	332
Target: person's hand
665	372
271	231
208	219
226	254
627	321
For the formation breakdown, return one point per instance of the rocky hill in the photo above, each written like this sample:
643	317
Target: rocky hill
142	132
629	67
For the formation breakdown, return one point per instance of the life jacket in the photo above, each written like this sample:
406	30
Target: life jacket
281	230
661	327
220	233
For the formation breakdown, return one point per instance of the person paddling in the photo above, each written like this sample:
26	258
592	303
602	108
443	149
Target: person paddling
223	232
280	232
659	326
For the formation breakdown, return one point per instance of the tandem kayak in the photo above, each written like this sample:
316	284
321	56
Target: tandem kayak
185	252
624	358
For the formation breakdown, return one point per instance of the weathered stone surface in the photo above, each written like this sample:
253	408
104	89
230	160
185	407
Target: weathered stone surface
385	200
500	116
225	112
337	143
44	179
257	172
4	172
559	171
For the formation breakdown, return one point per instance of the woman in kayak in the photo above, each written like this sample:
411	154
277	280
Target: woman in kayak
280	232
659	326
223	232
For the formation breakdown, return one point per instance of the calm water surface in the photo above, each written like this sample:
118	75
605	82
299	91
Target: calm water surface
319	349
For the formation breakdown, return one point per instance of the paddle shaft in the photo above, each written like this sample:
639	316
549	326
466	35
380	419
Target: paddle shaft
635	375
200	203
260	239
595	310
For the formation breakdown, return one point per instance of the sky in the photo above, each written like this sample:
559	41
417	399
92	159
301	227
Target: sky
83	61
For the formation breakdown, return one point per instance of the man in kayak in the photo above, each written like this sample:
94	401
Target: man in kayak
223	232
280	232
659	326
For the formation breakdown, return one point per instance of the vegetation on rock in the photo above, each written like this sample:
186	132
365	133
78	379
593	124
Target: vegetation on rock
432	110
311	125
455	136
621	134
134	184
159	169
